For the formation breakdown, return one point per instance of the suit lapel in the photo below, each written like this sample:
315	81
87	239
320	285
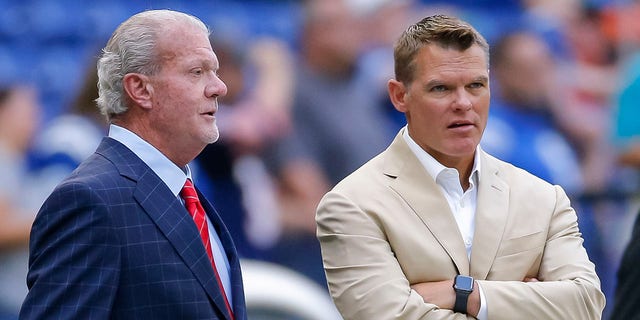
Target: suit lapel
169	215
491	217
425	198
234	262
174	222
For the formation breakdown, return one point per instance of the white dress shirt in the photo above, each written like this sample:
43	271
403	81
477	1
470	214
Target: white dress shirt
174	177
462	202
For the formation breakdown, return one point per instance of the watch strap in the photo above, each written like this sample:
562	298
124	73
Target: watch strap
461	301
463	286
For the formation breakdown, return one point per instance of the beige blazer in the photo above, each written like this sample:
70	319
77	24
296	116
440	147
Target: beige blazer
388	226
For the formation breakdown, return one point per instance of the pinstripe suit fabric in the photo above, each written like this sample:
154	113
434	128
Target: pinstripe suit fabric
113	242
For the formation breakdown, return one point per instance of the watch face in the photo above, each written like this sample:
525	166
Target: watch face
464	283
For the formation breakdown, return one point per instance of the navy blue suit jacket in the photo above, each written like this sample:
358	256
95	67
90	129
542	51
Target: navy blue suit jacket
113	242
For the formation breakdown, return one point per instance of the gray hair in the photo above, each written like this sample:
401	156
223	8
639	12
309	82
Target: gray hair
132	49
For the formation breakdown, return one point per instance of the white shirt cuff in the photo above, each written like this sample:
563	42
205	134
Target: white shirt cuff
482	314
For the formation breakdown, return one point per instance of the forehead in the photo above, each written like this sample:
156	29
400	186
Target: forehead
433	59
184	41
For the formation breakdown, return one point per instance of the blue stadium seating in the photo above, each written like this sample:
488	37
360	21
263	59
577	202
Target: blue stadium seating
50	42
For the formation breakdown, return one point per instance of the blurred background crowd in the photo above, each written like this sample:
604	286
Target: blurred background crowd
307	104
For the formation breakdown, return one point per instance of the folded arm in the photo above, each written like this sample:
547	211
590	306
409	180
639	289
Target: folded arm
567	287
365	278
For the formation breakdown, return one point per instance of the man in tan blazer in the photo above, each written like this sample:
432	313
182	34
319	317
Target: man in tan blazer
435	228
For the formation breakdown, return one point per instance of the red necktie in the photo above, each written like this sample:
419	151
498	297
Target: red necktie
196	211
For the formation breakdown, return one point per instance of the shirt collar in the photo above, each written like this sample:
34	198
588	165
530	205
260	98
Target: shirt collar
172	175
435	168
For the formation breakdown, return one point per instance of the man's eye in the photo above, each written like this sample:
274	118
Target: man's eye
476	85
196	71
439	88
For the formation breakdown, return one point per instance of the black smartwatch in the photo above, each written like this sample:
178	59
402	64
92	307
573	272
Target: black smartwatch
463	285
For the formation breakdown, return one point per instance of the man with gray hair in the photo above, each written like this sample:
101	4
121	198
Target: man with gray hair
127	235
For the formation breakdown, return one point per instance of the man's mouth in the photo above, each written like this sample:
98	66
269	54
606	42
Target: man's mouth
459	124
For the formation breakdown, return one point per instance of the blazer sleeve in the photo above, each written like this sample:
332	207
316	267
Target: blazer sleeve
74	258
568	288
365	278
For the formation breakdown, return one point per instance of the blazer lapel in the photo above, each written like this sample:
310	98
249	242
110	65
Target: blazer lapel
237	289
491	217
169	215
425	198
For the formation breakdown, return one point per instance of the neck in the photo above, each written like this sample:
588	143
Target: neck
164	143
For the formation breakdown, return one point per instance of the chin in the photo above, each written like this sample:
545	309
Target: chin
213	138
463	150
212	135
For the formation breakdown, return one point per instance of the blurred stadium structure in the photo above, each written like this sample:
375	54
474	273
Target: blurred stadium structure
277	293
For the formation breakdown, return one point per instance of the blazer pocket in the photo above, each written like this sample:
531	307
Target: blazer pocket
517	266
521	243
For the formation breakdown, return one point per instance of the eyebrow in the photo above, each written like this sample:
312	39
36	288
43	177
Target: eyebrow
207	63
437	82
433	83
481	79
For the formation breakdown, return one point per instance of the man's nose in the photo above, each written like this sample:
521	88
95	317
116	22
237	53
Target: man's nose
217	87
462	100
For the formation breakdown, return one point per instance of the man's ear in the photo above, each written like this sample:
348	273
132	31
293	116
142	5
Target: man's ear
397	94
138	89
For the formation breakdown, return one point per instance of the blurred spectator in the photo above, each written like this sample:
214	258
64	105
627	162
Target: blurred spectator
548	19
591	79
620	23
384	21
338	124
253	115
258	106
627	115
522	127
586	66
70	137
624	240
19	118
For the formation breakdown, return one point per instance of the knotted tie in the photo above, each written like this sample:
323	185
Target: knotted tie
195	209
